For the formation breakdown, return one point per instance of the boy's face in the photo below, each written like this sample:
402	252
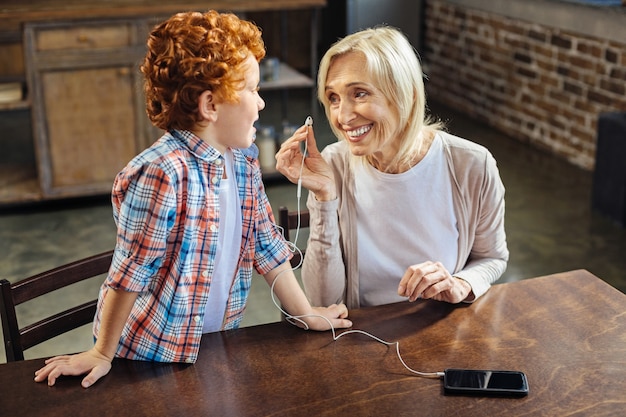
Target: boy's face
234	126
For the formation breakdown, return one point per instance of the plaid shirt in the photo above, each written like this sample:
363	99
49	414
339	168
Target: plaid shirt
165	205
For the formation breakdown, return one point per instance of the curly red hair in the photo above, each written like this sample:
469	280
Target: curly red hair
193	52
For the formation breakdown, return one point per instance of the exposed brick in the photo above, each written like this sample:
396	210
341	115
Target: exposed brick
494	72
620	104
582	63
600	98
618	74
524	98
517	43
521	57
572	88
528	73
577	146
589	78
575	118
491	58
548	80
611	56
584	105
591	49
477	44
515	120
559	96
549	108
564	71
539	84
475	76
613	87
515	28
575	74
561	41
556	123
546	65
537	88
583	134
537	35
542	50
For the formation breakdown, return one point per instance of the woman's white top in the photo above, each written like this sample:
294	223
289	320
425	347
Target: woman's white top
397	232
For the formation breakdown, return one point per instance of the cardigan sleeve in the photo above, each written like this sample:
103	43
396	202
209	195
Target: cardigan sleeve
486	240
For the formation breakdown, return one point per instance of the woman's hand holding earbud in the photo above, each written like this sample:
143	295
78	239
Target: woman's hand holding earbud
315	174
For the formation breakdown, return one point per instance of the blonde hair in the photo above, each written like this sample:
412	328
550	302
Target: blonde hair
394	67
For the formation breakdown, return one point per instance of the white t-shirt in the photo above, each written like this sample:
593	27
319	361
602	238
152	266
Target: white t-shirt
397	232
228	248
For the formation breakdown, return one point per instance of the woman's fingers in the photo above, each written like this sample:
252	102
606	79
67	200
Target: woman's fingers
424	280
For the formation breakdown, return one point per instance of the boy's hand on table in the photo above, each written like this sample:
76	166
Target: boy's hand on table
336	314
90	362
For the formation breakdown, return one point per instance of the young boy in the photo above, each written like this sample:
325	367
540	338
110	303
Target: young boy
191	211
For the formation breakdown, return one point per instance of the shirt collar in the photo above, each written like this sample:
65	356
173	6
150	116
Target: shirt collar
197	146
203	150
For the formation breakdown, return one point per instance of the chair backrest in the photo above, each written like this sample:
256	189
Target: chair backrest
288	220
16	339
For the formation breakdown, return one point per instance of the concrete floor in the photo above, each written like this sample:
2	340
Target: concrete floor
549	221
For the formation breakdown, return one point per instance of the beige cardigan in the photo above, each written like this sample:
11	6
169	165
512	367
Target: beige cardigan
330	271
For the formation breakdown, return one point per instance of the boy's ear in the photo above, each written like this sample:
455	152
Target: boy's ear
207	107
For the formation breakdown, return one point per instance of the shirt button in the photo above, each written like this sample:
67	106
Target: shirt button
213	228
218	162
214	180
205	273
189	360
196	319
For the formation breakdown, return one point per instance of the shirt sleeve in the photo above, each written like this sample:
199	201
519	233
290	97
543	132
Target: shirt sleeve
271	248
144	201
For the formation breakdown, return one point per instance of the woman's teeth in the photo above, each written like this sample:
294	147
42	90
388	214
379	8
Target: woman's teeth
360	131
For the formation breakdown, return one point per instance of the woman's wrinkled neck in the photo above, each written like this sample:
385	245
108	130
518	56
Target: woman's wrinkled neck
390	165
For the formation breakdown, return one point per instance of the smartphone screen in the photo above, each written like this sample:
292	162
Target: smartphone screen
485	382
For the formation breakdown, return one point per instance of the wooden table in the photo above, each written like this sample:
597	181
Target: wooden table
567	332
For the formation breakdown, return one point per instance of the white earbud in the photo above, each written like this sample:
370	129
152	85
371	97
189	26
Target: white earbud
308	122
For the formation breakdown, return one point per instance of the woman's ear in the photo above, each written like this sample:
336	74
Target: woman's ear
207	108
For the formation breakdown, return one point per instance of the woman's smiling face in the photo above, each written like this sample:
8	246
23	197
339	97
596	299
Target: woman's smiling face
358	109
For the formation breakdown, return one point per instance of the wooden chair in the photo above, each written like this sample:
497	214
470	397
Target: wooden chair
16	339
288	220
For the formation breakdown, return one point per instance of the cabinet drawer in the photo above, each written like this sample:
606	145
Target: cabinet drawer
83	37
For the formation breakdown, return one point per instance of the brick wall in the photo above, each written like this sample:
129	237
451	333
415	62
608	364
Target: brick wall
535	83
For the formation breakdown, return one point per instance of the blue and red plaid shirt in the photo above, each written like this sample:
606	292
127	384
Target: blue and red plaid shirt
165	205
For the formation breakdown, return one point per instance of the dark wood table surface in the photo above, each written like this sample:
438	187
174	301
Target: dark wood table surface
566	331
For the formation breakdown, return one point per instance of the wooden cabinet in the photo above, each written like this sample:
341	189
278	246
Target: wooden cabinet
83	79
84	96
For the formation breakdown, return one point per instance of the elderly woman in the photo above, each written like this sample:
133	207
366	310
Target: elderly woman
399	208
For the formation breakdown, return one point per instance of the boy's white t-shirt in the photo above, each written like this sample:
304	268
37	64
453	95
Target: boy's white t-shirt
395	233
228	248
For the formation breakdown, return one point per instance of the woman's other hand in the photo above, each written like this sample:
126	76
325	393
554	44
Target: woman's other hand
431	280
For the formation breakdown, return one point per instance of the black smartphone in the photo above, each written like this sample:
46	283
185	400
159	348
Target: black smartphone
485	382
